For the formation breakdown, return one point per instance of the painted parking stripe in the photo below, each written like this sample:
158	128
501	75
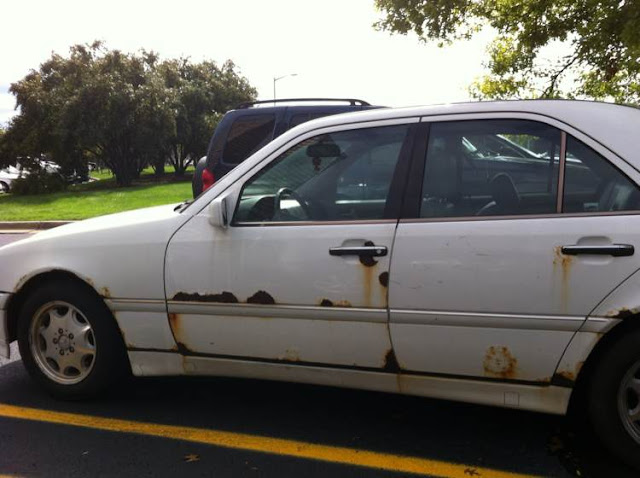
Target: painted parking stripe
262	444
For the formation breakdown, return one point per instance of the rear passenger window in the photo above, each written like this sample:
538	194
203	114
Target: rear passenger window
490	168
247	135
592	184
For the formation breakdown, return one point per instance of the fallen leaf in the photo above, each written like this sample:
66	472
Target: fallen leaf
191	457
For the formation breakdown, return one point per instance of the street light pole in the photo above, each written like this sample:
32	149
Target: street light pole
276	78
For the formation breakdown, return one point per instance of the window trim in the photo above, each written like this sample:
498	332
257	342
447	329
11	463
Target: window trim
396	190
561	172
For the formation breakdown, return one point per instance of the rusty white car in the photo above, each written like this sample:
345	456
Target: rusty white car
476	252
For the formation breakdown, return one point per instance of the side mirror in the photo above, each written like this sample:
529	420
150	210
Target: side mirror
218	215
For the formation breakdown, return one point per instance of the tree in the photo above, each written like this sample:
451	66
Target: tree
601	37
201	93
124	110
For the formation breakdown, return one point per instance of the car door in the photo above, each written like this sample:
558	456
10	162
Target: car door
299	275
492	273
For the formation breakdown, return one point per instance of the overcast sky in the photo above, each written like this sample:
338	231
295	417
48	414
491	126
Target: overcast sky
330	44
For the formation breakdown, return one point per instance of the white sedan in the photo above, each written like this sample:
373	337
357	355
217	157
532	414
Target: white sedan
476	252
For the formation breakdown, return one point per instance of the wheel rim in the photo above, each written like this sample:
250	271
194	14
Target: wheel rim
629	401
62	343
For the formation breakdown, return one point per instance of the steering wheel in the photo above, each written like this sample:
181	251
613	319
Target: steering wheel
286	192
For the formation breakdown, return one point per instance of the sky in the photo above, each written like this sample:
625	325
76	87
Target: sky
330	45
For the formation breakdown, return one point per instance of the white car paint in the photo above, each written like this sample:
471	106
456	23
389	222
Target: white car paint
459	339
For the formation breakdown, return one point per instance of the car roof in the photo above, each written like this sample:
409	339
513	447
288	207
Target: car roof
613	126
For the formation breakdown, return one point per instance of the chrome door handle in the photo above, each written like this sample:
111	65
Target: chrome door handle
615	250
372	251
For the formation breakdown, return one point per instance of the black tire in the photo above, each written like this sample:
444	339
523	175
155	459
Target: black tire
617	362
109	363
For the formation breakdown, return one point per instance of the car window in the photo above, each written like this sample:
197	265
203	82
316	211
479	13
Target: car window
592	184
490	168
246	136
331	177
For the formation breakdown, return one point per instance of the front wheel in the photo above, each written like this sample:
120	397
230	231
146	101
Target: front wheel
69	342
614	398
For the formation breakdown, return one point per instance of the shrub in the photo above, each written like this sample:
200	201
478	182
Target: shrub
38	182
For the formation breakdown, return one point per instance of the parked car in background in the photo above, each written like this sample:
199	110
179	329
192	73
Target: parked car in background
481	252
7	176
247	128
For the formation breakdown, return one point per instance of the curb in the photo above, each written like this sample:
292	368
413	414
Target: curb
15	226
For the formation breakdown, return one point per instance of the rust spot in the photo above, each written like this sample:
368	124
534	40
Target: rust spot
291	355
567	378
391	364
368	261
342	303
261	297
326	303
105	292
384	279
471	472
561	379
498	362
623	313
225	297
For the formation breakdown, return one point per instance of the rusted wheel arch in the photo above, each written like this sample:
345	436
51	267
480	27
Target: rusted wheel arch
604	344
17	300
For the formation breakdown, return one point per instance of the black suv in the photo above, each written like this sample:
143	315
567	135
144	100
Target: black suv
250	126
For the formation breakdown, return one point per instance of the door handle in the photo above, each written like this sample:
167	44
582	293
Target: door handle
615	250
371	251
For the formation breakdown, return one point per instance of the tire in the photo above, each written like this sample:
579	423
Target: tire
69	342
4	187
613	404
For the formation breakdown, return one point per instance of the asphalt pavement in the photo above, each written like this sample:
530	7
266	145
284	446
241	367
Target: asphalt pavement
235	428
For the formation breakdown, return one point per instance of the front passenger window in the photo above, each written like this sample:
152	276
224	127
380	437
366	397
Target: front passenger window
490	168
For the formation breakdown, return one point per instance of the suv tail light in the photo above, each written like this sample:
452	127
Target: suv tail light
207	179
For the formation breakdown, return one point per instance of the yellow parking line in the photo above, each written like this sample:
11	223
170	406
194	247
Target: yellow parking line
262	444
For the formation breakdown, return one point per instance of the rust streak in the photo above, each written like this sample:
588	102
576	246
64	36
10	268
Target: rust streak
225	297
499	363
564	262
175	324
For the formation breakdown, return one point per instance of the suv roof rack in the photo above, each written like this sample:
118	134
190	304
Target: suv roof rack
351	101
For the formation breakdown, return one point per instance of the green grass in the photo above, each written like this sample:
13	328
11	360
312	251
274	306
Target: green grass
92	199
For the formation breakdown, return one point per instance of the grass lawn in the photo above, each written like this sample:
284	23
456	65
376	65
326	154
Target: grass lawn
93	199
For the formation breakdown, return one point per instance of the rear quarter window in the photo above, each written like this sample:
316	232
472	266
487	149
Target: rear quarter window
246	136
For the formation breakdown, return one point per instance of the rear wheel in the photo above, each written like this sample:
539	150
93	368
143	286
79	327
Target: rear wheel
69	342
614	398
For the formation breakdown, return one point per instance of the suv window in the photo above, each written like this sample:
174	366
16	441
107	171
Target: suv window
247	135
490	168
592	184
331	177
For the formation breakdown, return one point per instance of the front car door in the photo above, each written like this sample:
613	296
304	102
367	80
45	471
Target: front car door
494	270
299	276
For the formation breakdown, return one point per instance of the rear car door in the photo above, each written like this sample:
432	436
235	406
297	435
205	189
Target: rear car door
515	229
300	274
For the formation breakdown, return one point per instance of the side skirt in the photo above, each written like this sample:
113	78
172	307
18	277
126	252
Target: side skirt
546	399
